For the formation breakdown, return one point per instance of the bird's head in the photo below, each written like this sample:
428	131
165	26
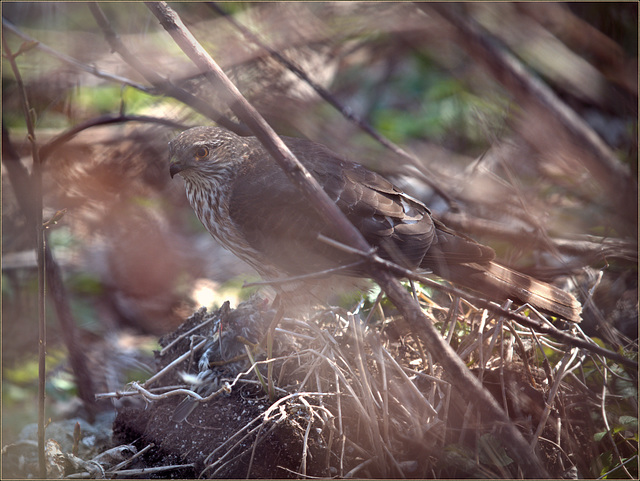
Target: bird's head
204	152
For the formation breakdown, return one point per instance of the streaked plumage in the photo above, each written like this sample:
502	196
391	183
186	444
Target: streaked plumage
247	202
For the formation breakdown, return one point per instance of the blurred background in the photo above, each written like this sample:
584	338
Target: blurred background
547	177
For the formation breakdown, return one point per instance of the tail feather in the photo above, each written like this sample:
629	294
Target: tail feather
498	283
537	293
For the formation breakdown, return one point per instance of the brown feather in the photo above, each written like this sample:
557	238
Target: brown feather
247	202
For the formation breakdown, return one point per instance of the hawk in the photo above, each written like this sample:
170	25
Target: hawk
248	204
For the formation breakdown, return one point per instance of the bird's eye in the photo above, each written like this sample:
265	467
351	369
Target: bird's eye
202	152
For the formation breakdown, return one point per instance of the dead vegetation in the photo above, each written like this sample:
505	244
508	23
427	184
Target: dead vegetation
358	394
360	400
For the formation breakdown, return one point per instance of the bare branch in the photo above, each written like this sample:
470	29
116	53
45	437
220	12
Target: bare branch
93	70
159	82
36	221
591	248
23	184
605	168
160	85
58	140
427	176
544	328
469	385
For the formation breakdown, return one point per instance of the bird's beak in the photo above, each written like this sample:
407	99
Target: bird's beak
176	166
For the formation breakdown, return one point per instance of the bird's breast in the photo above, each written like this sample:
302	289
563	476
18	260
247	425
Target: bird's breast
211	206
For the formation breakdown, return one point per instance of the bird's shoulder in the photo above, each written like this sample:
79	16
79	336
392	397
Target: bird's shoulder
358	191
265	203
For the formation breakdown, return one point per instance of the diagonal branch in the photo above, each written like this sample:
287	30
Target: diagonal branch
93	70
468	385
160	85
544	328
426	176
614	177
159	82
258	126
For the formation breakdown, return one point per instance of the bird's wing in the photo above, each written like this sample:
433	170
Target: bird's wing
450	247
278	221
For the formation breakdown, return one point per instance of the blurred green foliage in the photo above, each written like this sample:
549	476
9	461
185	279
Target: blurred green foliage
424	101
623	438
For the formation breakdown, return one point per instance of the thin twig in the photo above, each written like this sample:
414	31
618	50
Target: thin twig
47	149
121	394
429	409
301	277
604	166
379	356
22	186
256	442
128	461
93	70
311	370
544	328
467	384
185	334
305	440
359	467
427	176
131	473
160	83
589	247
226	445
36	183
609	435
367	393
621	465
549	401
173	363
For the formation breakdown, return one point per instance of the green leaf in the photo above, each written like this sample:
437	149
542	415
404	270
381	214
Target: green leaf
630	422
598	436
